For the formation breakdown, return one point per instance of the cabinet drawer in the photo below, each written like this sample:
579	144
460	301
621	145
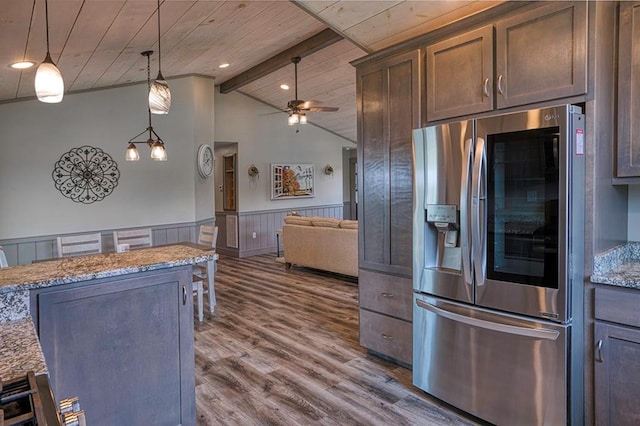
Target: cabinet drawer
618	305
387	294
387	335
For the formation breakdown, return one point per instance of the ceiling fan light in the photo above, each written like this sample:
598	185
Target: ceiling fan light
158	152
49	83
303	118
132	153
159	96
294	119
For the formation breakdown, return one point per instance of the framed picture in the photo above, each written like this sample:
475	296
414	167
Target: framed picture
291	181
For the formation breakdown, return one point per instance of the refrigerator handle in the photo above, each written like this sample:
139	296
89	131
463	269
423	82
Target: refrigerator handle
465	231
478	212
537	333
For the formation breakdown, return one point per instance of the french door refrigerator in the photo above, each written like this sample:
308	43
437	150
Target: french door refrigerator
498	265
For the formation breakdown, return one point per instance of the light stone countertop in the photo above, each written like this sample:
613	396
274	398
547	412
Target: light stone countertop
619	266
625	275
20	350
15	282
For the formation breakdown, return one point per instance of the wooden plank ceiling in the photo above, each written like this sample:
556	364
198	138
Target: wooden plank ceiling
97	43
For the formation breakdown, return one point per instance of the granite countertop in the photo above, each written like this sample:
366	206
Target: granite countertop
619	266
20	350
15	282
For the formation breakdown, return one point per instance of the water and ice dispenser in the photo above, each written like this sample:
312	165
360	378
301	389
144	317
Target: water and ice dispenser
442	241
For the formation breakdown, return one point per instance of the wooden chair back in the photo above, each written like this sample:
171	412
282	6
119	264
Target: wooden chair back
136	238
3	259
75	245
208	235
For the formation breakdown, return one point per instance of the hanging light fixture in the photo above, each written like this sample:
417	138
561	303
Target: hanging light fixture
158	151
49	83
294	118
159	93
297	118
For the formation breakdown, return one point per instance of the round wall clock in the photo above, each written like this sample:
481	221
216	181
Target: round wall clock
205	161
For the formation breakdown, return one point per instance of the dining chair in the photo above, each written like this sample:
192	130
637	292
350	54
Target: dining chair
3	259
136	238
208	236
75	245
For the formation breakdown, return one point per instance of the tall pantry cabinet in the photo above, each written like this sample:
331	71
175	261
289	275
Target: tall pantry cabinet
389	108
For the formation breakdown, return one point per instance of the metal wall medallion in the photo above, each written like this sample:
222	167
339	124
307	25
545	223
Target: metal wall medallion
86	174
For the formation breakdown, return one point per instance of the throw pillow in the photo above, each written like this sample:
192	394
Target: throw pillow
297	220
327	222
349	224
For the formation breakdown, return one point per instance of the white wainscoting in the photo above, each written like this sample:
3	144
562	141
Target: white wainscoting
22	251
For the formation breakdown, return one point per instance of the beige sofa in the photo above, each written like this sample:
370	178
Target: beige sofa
321	242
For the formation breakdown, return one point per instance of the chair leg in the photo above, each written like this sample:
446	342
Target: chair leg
200	299
211	276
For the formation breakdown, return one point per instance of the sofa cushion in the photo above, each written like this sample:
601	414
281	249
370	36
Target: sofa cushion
349	224
298	220
326	222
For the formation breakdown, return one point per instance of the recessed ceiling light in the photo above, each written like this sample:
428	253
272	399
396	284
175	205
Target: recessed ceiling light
284	86
22	65
223	65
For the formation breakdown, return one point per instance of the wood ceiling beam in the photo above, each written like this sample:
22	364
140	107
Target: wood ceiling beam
311	45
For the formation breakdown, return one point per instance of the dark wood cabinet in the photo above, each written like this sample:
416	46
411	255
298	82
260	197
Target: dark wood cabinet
386	314
388	110
628	164
617	357
459	74
540	54
124	346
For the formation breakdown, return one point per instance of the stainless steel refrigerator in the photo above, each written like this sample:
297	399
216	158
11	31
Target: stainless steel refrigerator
498	265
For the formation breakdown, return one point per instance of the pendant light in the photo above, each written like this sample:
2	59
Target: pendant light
49	83
158	151
159	93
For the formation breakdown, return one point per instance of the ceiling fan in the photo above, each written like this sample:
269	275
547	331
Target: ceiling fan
296	107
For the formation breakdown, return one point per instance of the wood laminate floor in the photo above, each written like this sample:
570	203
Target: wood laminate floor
282	349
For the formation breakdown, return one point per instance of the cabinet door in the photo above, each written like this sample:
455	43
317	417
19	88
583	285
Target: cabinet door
628	86
124	347
617	375
459	74
388	111
541	54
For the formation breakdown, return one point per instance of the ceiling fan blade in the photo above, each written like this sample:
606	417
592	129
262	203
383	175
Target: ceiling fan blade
310	104
321	109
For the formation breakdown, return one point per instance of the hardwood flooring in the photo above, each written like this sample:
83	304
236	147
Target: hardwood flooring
282	349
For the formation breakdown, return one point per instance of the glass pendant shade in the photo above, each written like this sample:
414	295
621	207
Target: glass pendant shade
158	152
294	119
132	153
303	118
159	96
49	83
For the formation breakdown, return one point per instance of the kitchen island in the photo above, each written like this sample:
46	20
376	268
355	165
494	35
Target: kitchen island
116	330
